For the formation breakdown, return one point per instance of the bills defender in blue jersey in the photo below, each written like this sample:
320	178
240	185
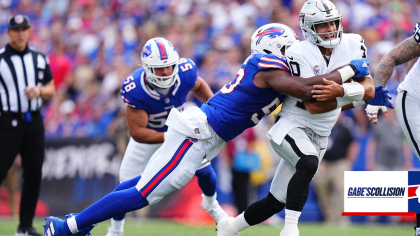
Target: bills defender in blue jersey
150	92
198	134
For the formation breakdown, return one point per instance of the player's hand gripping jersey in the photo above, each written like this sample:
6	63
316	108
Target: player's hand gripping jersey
138	94
240	104
306	60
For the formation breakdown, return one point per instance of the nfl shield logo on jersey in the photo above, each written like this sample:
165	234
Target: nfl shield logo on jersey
167	100
197	131
316	69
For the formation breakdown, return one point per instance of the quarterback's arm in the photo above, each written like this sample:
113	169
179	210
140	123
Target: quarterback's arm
400	54
202	90
298	87
137	122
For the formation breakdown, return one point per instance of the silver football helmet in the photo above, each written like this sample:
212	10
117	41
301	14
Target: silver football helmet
272	38
158	53
316	12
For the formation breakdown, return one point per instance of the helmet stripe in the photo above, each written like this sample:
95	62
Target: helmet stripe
325	6
162	49
269	31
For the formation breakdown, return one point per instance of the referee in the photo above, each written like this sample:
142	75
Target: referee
25	80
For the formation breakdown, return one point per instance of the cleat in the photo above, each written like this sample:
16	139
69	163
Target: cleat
214	209
113	232
289	232
417	229
224	227
83	232
52	226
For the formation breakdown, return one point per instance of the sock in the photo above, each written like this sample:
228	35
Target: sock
239	223
117	225
113	204
292	218
207	180
209	199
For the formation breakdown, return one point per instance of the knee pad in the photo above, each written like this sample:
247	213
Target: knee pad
307	166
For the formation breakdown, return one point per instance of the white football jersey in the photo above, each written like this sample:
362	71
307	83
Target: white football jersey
411	83
305	60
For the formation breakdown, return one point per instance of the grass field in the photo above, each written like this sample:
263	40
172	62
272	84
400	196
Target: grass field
162	228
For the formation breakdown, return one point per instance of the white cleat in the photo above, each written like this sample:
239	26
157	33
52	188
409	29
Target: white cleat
214	209
289	232
113	232
224	227
417	231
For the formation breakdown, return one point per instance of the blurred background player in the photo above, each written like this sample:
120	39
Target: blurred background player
198	134
408	98
150	93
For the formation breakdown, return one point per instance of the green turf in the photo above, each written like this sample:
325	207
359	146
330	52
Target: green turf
161	228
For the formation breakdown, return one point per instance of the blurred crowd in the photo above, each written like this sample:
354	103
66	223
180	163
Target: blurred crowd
93	45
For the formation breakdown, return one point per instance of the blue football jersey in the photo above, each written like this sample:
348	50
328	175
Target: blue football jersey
240	104
138	94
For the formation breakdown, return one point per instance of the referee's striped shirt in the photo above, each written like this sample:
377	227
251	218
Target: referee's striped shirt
19	70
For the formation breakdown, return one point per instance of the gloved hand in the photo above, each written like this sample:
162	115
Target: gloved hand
372	112
360	67
381	98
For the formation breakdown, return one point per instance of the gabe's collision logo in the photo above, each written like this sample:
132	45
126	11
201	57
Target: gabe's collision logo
376	192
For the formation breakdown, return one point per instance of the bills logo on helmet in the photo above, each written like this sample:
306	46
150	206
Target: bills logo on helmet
271	32
146	51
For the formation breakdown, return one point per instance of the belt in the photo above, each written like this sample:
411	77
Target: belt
19	115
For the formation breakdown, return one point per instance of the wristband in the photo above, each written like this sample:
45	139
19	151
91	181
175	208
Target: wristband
352	92
164	135
346	73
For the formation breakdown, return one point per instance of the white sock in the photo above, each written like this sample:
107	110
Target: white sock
118	225
292	218
239	223
209	199
71	223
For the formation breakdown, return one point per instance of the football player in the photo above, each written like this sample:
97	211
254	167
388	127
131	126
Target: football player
150	93
408	98
198	134
299	136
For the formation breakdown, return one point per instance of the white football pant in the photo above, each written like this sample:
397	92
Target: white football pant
297	142
408	114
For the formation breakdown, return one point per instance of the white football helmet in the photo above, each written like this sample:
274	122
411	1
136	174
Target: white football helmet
271	38
316	12
158	53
